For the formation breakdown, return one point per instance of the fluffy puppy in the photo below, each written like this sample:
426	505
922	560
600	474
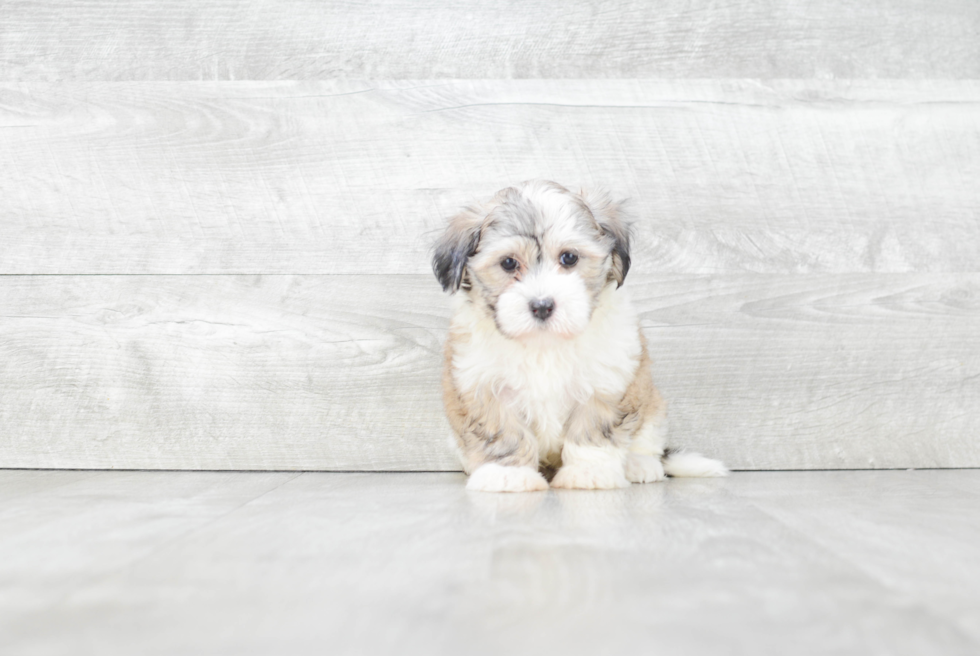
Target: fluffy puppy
546	370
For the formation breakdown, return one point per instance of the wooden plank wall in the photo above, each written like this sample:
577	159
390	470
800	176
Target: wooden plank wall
215	220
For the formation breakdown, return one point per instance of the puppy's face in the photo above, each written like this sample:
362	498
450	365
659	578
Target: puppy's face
535	258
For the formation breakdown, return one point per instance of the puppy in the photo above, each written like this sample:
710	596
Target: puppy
546	370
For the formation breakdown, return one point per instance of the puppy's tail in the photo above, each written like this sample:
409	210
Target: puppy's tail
683	464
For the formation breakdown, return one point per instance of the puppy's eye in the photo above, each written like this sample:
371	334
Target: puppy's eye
509	264
568	259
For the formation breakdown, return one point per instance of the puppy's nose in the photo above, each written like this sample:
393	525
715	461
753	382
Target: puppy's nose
542	308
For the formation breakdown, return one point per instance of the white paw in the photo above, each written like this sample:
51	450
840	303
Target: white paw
492	477
590	476
643	469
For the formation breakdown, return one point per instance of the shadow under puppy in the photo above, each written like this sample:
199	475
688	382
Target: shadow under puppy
546	369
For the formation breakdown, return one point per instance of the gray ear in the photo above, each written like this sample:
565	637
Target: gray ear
612	221
455	247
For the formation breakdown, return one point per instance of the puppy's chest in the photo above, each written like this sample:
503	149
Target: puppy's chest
546	389
542	387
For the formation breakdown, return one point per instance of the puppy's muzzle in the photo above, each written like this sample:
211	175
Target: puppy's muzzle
542	308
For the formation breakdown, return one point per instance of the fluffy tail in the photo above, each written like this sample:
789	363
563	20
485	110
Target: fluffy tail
691	465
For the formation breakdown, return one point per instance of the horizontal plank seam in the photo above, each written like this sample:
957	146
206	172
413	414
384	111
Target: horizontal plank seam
452	471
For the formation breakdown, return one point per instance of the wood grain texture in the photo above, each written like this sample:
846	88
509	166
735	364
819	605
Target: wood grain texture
769	564
878	531
341	372
351	177
396	39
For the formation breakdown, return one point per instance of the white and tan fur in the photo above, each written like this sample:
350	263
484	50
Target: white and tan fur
546	370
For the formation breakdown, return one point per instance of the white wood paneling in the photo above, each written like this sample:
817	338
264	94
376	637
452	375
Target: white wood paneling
357	177
341	372
396	39
803	175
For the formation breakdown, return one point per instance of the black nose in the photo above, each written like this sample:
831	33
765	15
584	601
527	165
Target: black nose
542	308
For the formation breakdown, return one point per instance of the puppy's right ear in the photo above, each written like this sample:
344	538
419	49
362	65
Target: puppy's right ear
455	247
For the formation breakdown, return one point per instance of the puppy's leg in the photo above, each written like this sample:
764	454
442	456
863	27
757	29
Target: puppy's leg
643	461
502	459
594	450
648	460
497	450
643	403
495	447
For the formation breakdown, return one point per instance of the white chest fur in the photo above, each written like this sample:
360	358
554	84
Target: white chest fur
543	379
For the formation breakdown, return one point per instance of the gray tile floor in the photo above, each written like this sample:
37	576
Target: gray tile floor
787	563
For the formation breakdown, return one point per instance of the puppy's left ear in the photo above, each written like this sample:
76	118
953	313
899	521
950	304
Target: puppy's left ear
614	225
455	247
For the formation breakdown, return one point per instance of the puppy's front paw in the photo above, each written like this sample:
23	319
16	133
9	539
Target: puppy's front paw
643	469
492	477
589	476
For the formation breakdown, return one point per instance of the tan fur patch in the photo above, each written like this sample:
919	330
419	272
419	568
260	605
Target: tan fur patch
485	429
642	398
